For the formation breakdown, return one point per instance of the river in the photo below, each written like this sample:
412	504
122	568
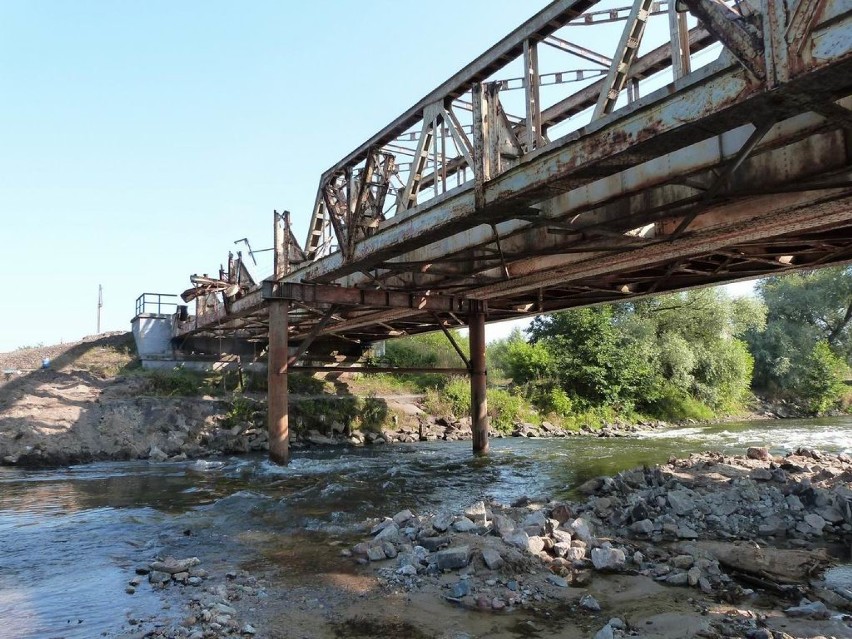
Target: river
70	538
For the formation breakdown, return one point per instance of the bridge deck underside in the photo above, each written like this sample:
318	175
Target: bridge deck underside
714	178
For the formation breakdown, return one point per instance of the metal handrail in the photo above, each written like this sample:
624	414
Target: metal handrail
149	300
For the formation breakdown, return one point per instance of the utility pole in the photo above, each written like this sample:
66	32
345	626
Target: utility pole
100	304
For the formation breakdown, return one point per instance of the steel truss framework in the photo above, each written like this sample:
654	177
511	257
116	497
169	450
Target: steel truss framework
723	152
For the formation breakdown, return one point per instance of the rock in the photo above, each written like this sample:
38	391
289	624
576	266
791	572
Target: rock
582	529
460	589
677	579
434	543
464	525
503	526
376	553
174	566
562	513
575	553
830	514
809	609
453	558
492	558
794	503
693	576
402	516
389	533
442	522
156	577
685	532
407	570
248	629
617	623
389	549
560	536
497	604
225	609
519	539
379	527
815	521
761	454
761	474
535	545
608	558
590	603
536	520
605	633
558	581
681	502
591	486
643	527
157	455
477	513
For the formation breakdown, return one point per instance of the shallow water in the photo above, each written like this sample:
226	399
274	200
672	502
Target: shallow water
70	538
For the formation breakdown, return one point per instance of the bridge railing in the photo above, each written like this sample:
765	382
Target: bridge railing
540	83
156	303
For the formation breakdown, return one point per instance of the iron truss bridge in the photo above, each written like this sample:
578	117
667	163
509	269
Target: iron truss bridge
597	153
691	143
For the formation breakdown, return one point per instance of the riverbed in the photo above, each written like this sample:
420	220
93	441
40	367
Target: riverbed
71	538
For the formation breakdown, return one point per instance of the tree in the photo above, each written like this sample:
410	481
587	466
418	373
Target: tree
591	359
804	310
822	378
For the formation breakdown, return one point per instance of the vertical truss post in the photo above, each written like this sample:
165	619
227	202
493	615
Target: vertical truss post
628	46
478	378
277	393
481	125
680	41
279	244
531	94
736	33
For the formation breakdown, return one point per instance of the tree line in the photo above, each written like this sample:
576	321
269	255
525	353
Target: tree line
696	354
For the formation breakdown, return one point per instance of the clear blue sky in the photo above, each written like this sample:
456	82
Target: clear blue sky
139	140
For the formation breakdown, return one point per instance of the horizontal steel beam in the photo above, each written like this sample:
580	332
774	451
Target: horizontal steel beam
361	297
376	369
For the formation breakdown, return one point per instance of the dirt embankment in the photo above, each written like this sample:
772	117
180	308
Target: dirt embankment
81	408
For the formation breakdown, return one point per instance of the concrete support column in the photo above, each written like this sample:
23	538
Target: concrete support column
277	400
478	402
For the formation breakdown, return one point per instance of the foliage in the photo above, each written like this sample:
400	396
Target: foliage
427	350
456	394
372	414
804	310
823	378
177	381
674	357
504	409
240	411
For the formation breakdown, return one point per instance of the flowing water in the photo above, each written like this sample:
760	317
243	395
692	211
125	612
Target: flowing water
71	538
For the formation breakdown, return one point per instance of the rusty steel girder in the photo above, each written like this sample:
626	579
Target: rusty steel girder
607	188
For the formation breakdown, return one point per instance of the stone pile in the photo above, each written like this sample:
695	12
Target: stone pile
210	609
801	498
641	522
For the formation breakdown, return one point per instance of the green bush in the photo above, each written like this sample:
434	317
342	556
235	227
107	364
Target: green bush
823	377
177	381
505	408
456	394
673	404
